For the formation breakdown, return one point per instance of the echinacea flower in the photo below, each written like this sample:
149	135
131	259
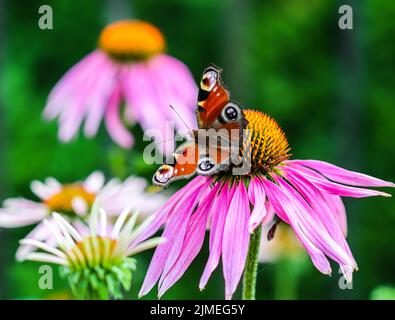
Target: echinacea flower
303	193
129	66
96	258
75	200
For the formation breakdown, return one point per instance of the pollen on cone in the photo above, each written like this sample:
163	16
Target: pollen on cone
62	201
268	144
131	39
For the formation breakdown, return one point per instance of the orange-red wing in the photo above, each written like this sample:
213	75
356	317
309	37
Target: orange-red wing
186	158
213	96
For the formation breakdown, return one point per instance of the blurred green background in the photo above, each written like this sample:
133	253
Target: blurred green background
331	90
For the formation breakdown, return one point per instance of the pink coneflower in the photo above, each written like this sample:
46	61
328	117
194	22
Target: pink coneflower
75	200
303	193
129	66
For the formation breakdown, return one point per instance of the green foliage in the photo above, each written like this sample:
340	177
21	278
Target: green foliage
383	293
98	282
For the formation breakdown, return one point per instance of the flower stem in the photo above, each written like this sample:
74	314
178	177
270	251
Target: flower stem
251	267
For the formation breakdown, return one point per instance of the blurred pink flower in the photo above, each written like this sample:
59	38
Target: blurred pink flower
129	66
75	200
303	193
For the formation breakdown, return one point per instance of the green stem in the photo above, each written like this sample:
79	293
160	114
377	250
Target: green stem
251	267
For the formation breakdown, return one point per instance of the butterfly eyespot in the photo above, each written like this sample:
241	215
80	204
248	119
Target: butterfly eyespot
208	80
163	175
231	112
206	165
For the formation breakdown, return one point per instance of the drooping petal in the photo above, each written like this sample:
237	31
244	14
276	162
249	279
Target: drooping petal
21	212
336	205
191	245
341	175
71	80
115	127
257	196
335	188
323	212
163	214
76	105
287	211
183	204
142	98
178	73
334	202
218	218
169	74
269	214
98	102
235	239
325	235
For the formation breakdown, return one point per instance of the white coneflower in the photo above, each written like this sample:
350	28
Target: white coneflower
75	200
95	257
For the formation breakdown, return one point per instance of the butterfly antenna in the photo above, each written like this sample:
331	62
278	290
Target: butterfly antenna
179	116
163	141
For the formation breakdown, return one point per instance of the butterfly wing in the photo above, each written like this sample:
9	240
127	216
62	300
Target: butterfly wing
190	158
212	160
214	110
218	116
184	165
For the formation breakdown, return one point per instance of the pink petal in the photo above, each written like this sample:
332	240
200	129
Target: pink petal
70	81
196	185
180	235
334	202
114	125
334	188
175	86
182	203
336	205
141	94
191	245
325	235
21	212
285	209
324	214
235	240
178	73
75	104
99	100
218	218
341	175
257	196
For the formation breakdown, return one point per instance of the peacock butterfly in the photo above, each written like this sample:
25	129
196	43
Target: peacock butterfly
216	144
